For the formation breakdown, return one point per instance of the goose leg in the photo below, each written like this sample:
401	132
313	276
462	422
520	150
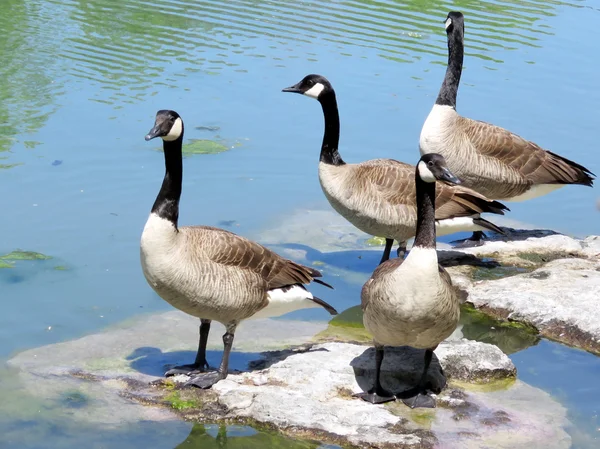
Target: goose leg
377	394
387	250
476	239
200	364
418	397
401	251
207	380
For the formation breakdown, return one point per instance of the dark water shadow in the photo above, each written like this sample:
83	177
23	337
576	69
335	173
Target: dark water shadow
366	260
358	260
154	362
400	371
513	234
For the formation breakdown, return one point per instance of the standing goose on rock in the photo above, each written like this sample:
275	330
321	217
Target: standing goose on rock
487	158
412	302
378	196
211	273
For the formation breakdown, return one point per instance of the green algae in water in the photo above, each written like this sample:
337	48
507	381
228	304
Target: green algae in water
509	336
346	326
4	264
25	255
205	436
375	241
202	146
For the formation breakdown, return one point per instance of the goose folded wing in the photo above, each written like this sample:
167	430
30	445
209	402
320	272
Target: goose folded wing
525	158
392	183
276	271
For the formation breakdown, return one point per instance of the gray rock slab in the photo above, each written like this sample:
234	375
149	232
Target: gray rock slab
313	390
561	299
140	350
297	388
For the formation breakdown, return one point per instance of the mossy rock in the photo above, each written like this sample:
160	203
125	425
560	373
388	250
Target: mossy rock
182	400
543	258
24	255
495	273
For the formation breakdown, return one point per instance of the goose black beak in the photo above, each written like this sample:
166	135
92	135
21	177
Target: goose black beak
154	132
294	89
448	176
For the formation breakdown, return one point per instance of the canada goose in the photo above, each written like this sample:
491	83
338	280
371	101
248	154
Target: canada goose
487	158
378	196
412	302
211	273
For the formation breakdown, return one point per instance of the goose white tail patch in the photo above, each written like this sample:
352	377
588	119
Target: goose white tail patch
458	224
425	173
535	191
282	302
175	131
315	91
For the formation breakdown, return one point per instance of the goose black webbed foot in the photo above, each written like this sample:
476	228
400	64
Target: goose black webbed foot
191	370
475	240
205	380
375	396
419	400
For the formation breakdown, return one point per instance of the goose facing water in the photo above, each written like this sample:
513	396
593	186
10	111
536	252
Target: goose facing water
378	196
412	302
211	273
487	158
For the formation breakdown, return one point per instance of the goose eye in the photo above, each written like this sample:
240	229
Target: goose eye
430	163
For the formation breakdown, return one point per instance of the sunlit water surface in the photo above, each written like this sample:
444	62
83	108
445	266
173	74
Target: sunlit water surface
81	82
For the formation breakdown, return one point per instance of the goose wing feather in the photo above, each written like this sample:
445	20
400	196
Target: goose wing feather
227	248
393	184
522	157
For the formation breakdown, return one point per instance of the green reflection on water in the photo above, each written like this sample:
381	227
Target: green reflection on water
510	337
232	437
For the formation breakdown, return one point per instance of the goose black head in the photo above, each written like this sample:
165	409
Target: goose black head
454	20
313	86
432	167
168	126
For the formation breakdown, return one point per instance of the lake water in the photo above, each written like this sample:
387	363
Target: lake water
81	82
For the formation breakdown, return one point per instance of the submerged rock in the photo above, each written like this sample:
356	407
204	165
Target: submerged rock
115	377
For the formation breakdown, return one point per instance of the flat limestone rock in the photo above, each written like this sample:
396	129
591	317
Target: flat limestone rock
560	299
313	390
306	391
98	367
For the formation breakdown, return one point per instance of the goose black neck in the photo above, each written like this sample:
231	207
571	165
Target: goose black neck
166	205
331	137
449	89
425	237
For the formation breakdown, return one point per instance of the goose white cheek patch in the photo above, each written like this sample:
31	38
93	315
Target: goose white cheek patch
425	173
448	23
315	91
175	131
